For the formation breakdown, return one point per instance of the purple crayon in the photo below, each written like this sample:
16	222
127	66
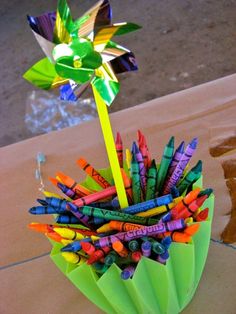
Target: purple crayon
68	192
142	168
176	158
146	248
83	218
127	272
179	169
136	234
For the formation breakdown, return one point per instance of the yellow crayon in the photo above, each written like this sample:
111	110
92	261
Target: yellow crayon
188	220
128	158
66	241
104	228
69	234
51	194
160	209
94	238
74	258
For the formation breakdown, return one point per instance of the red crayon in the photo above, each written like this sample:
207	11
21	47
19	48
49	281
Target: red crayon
136	256
88	247
98	255
119	149
144	150
83	201
203	215
189	209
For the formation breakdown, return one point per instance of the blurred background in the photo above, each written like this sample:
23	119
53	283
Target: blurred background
181	44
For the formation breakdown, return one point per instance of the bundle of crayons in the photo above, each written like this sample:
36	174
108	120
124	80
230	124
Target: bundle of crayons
163	207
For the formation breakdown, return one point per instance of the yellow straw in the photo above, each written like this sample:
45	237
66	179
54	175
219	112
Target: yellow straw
111	149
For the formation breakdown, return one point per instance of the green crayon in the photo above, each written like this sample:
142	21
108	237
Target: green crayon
136	183
151	181
113	215
193	175
164	165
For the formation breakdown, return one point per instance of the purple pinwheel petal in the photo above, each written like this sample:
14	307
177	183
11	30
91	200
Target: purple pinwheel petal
104	15
124	63
43	24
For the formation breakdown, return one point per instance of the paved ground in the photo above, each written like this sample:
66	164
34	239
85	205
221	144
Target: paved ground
182	44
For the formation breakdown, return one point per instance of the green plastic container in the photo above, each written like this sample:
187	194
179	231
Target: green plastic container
154	288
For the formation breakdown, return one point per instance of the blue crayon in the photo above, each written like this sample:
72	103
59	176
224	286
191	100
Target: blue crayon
127	272
166	217
44	210
163	257
42	202
67	191
144	206
97	221
174	191
166	242
75	246
146	248
57	202
67	219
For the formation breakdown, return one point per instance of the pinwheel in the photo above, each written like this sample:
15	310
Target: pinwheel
80	53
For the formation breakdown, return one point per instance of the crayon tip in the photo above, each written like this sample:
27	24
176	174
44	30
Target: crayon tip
206	192
193	143
153	164
198	167
53	181
33	210
171	142
166	241
191	230
180	148
135	149
42	202
118	138
67	248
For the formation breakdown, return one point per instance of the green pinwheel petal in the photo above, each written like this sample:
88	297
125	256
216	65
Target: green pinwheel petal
79	75
127	28
42	74
63	23
107	89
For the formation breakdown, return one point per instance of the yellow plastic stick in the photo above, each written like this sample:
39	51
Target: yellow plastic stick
111	149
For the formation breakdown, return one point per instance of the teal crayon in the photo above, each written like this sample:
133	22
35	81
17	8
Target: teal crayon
151	181
206	192
111	215
133	245
192	176
111	258
136	182
164	165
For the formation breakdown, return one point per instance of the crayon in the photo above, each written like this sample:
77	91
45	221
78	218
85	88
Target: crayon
44	228
97	255
142	168
120	248
88	248
114	204
188	220
191	196
119	149
45	210
54	236
174	191
206	192
146	248
166	217
151	181
81	216
105	228
144	206
86	200
166	241
163	257
100	267
74	258
179	237
176	158
192	176
136	256
127	272
67	219
51	194
128	186
173	179
57	202
191	230
158	247
72	184
68	192
164	165
75	246
133	245
144	149
203	215
96	221
123	226
128	159
189	209
111	258
110	215
69	234
93	173
42	202
136	183
160	209
145	231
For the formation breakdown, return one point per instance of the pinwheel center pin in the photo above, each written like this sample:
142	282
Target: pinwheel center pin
77	62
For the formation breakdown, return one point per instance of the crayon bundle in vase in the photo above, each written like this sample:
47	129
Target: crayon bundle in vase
132	237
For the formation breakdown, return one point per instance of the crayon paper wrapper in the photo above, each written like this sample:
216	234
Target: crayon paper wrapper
154	288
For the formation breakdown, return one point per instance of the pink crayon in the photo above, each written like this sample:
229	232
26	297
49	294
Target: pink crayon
119	149
145	231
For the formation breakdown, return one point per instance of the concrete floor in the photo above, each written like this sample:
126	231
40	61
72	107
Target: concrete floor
182	44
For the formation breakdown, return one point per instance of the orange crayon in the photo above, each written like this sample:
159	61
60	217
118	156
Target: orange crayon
54	236
128	186
43	228
120	248
119	149
202	215
191	230
124	226
93	173
191	196
72	184
178	236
